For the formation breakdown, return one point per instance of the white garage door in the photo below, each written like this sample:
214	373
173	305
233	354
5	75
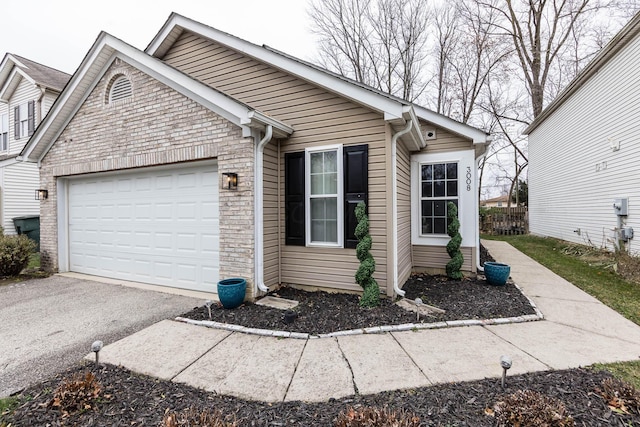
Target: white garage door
157	226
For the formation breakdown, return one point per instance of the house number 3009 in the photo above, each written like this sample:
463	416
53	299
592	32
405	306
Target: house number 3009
468	178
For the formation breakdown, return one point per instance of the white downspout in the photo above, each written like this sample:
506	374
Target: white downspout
258	209
394	193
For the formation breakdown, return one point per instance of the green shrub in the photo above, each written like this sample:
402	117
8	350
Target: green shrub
192	417
364	275
15	252
527	408
453	247
375	417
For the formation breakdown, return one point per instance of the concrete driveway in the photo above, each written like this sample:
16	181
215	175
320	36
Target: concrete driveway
47	325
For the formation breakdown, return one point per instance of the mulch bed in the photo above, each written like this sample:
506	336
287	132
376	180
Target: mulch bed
323	312
136	400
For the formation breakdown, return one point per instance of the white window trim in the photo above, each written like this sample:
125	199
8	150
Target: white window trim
465	198
447	198
307	198
24	120
4	129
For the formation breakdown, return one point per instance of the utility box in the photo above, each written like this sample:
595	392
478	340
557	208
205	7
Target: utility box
29	225
621	207
626	233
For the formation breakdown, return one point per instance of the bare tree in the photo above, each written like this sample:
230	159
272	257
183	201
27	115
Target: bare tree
381	43
540	31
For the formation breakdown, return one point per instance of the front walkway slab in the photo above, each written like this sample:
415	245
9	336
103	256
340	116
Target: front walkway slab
563	347
247	366
322	373
463	354
161	350
379	363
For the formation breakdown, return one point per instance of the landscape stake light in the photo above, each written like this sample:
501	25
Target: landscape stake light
96	347
208	304
505	362
418	302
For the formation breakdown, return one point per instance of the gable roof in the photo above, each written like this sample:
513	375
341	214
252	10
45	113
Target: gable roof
619	41
104	51
396	111
13	68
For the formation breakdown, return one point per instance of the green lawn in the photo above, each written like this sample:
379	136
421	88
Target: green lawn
597	280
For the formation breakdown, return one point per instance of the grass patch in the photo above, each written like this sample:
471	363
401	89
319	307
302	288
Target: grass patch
7	405
597	279
34	261
627	371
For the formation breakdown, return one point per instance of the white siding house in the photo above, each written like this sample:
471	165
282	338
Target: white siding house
27	91
584	150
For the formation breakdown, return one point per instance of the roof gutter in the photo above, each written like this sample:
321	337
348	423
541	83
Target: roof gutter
259	209
394	192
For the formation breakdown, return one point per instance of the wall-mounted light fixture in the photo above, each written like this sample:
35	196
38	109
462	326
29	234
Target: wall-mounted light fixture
42	194
230	180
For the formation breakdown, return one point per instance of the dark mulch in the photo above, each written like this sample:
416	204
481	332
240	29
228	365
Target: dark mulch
322	312
137	400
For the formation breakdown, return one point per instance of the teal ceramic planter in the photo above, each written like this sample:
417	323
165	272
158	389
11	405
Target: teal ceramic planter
496	273
231	292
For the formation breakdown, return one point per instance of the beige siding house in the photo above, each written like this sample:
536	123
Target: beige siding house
27	90
142	150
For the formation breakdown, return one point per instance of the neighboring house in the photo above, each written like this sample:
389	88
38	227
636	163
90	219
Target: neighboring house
584	149
141	151
27	90
496	202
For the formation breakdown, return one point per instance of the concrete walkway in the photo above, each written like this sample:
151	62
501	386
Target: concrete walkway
578	331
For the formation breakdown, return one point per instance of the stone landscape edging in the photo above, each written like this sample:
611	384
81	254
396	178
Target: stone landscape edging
371	330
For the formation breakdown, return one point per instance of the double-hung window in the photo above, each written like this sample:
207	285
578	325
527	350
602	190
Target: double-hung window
324	196
4	132
323	186
438	187
24	119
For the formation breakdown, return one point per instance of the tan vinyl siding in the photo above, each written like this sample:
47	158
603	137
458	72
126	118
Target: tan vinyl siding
319	118
445	141
436	257
270	185
404	213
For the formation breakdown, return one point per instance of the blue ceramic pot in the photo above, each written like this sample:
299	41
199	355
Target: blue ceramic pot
231	292
496	273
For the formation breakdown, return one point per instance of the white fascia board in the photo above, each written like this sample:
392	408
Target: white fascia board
256	119
476	135
358	94
76	93
8	162
12	83
79	89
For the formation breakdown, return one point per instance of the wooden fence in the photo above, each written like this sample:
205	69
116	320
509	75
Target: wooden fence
505	221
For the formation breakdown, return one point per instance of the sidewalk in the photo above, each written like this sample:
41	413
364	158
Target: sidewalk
578	330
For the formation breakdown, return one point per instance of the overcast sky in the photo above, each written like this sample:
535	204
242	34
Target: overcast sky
58	33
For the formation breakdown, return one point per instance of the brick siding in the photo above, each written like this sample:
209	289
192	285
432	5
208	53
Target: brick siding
156	126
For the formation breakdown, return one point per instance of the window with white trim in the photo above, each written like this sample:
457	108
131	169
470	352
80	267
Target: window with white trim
4	132
438	187
324	204
24	120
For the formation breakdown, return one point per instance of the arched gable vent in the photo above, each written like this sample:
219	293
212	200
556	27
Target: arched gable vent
120	89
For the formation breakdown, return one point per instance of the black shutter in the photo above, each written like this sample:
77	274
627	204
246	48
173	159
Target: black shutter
294	199
356	188
31	116
16	122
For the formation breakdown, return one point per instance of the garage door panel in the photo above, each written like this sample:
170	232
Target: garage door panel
153	226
